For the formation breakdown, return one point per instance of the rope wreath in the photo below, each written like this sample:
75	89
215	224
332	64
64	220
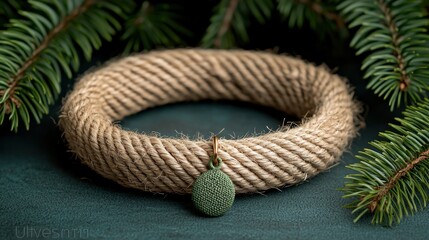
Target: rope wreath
132	84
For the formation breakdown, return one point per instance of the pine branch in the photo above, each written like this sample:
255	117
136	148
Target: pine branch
13	83
226	22
231	19
392	178
387	187
323	11
47	38
153	26
318	14
394	33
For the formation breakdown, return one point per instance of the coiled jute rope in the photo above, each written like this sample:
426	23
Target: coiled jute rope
132	84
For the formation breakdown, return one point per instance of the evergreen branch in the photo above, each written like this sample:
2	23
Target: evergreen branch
329	14
47	38
13	83
153	26
226	23
394	33
404	80
231	19
314	12
391	179
384	190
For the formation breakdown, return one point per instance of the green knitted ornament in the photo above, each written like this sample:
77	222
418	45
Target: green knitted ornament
213	192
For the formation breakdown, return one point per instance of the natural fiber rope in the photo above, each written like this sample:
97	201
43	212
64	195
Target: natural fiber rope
135	83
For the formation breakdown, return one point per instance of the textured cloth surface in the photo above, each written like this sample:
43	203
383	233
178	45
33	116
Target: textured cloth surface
42	186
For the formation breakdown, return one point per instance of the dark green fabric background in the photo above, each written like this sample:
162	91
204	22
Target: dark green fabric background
44	188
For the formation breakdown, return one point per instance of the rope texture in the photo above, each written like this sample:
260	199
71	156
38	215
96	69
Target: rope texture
132	84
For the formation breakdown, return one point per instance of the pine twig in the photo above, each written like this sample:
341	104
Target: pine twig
384	190
404	79
321	16
232	18
13	83
154	25
394	34
319	9
226	23
44	42
391	179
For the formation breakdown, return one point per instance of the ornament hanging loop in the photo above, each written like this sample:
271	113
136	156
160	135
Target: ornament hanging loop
215	158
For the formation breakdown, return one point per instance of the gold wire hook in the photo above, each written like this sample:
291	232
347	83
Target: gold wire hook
215	150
